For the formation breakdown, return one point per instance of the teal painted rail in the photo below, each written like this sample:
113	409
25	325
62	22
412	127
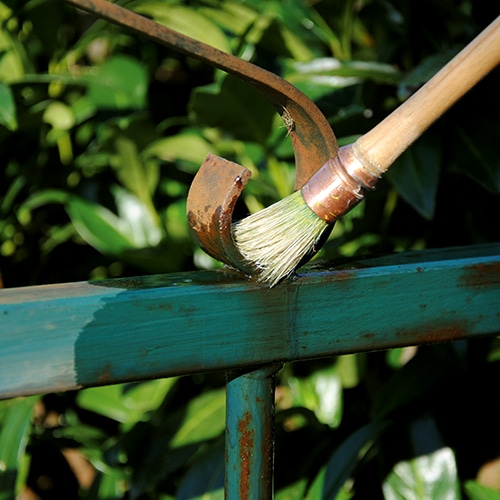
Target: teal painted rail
68	336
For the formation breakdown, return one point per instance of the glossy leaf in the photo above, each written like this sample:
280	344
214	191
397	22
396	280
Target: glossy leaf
189	148
99	227
431	473
232	16
427	476
204	419
185	20
322	76
140	220
15	427
332	73
320	393
13	60
126	404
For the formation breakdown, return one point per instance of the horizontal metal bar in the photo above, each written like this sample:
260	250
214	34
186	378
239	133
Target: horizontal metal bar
67	336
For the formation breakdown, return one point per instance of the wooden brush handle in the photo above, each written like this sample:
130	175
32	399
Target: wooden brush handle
380	147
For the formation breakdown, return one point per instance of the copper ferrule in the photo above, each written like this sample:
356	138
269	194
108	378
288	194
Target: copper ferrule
338	185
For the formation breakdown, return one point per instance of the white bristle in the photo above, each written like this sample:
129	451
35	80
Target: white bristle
277	238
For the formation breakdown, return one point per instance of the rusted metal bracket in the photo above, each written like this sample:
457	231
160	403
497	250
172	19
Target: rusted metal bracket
210	204
219	183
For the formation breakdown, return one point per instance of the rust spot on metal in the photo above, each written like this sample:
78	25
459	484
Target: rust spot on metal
105	374
246	442
479	275
435	335
342	275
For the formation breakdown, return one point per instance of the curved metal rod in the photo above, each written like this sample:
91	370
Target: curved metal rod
313	140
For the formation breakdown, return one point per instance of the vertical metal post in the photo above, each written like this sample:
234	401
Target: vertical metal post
250	434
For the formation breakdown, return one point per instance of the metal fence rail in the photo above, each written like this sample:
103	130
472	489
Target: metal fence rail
68	336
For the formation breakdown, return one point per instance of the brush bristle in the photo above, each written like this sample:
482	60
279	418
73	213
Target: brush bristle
276	239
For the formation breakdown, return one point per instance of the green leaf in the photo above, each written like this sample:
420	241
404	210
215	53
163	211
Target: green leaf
235	107
415	175
99	227
126	404
336	74
204	419
8	116
261	25
185	20
433	475
321	393
120	83
476	491
106	400
13	58
140	224
231	16
322	76
15	427
188	147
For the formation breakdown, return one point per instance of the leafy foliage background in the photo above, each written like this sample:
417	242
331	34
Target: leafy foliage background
101	134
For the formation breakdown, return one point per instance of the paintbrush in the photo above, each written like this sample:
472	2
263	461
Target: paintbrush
283	236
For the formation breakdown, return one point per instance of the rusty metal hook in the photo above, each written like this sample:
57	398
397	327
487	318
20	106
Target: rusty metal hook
218	183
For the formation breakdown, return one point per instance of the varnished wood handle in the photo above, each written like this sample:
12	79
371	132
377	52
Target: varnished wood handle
380	147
